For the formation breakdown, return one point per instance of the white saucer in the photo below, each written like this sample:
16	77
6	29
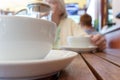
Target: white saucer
79	49
55	61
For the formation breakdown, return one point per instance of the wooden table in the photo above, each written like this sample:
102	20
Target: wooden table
93	66
97	66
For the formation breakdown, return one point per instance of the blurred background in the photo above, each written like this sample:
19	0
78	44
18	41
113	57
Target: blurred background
101	10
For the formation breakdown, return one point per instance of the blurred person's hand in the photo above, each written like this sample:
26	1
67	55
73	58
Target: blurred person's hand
99	40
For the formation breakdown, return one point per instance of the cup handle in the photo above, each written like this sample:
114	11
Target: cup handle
22	10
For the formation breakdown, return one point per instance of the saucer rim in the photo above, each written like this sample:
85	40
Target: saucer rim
31	77
36	61
63	60
77	47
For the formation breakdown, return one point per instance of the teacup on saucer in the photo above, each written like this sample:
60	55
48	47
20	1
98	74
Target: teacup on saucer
81	41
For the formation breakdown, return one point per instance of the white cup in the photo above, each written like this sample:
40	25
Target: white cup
25	38
81	42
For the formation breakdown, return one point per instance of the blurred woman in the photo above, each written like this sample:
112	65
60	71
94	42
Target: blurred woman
67	27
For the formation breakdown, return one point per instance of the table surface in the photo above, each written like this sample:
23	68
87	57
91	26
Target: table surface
92	66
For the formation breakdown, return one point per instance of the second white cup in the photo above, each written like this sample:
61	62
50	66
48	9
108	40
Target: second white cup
81	42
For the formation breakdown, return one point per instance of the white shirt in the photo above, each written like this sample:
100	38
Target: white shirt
67	27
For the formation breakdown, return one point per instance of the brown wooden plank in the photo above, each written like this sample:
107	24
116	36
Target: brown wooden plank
77	70
109	57
115	52
102	68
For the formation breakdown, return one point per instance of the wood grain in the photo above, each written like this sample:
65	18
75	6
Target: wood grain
102	68
113	59
114	52
77	70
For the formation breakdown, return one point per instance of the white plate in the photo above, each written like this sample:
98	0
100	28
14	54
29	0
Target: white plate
80	49
55	61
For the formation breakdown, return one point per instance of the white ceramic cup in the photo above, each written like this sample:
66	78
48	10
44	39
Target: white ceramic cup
81	42
25	38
